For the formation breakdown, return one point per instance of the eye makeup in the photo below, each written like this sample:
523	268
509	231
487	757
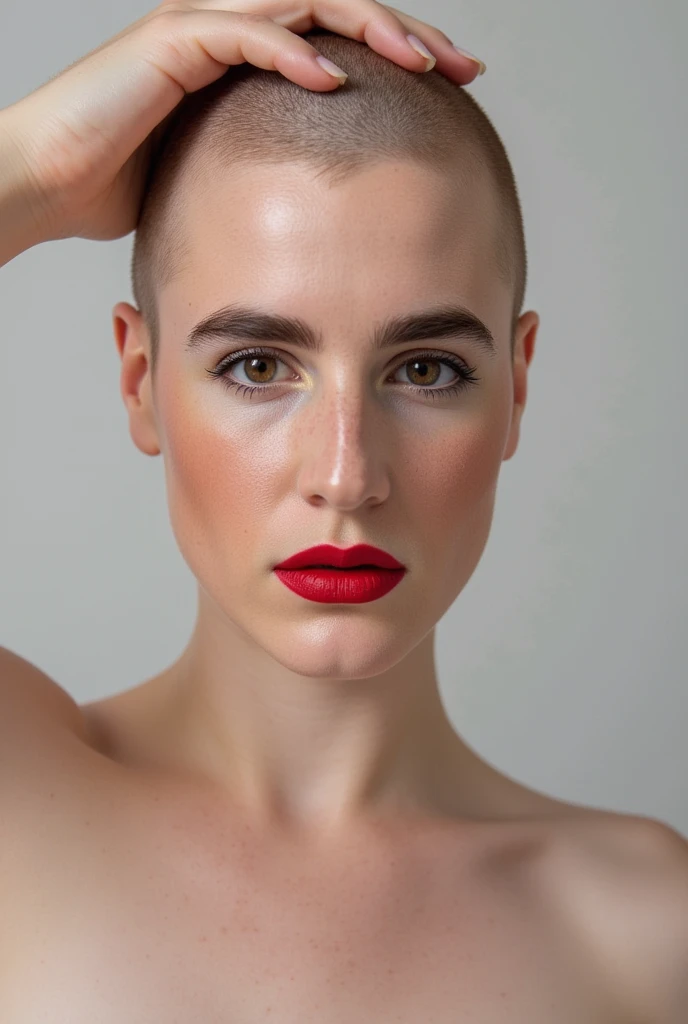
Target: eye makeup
466	374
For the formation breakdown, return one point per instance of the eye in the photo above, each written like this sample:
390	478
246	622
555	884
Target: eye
260	367
258	364
425	369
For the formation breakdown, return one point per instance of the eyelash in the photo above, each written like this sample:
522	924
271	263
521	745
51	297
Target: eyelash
466	373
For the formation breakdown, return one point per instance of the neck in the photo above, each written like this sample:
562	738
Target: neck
314	754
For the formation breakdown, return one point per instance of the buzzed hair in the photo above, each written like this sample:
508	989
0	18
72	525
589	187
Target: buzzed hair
254	116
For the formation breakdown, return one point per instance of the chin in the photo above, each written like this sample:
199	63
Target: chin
323	649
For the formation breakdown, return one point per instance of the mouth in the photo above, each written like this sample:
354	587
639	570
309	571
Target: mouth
326	583
327	556
338	568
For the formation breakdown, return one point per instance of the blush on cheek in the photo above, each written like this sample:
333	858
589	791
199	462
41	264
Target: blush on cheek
457	489
465	463
205	471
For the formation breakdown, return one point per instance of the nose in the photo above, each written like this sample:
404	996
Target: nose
344	453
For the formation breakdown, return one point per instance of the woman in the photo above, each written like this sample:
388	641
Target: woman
330	354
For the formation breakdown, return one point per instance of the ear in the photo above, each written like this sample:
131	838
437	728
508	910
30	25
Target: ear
524	347
136	385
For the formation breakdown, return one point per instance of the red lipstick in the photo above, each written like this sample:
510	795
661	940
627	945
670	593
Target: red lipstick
333	575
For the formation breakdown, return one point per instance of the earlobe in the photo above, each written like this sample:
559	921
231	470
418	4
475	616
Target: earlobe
131	338
514	433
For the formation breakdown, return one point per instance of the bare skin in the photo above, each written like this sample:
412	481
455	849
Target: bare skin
354	860
133	892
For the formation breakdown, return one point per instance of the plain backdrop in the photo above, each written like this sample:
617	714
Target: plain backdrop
563	661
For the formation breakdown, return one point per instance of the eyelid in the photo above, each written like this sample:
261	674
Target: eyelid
256	351
466	377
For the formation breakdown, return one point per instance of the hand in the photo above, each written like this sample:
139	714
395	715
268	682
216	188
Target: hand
85	137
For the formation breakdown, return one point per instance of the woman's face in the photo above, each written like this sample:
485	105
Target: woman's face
353	442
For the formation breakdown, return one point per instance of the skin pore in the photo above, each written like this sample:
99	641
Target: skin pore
316	717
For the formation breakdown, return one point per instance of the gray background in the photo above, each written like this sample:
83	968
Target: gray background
563	661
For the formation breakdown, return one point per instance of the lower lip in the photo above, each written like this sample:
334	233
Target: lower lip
341	586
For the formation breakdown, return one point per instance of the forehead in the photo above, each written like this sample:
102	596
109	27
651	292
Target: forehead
391	234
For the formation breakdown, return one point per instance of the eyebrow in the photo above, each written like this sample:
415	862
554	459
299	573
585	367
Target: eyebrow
238	323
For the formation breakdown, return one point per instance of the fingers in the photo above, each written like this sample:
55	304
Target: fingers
193	47
461	67
380	26
372	23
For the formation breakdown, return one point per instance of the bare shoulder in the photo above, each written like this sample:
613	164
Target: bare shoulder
626	887
30	698
37	715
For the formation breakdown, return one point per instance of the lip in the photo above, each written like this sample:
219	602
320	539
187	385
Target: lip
340	558
341	586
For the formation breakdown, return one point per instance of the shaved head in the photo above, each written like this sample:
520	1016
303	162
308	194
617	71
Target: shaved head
382	113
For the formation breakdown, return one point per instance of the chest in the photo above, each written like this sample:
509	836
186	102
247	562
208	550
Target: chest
114	924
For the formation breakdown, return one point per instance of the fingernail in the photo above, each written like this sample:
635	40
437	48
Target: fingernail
331	68
422	49
465	53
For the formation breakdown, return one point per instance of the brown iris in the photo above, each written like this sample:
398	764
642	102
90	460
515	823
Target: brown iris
423	363
423	375
261	360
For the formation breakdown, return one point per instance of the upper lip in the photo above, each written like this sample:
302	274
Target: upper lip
340	558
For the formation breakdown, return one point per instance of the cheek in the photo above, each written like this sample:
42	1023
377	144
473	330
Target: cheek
458	474
455	492
220	476
208	471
